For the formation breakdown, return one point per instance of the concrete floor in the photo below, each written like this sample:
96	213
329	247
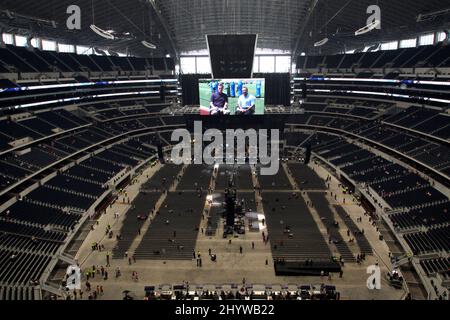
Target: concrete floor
231	266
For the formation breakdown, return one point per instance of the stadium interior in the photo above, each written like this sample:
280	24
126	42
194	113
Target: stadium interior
93	205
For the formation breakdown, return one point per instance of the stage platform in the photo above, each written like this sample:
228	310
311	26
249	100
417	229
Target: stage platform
301	268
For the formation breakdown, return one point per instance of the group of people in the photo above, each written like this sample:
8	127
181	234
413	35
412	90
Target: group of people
360	258
198	256
97	246
219	102
93	294
91	272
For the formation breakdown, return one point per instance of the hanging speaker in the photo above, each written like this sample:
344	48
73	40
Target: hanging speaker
230	209
308	154
162	92
304	90
160	153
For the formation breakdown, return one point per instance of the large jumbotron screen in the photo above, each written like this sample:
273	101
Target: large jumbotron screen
234	90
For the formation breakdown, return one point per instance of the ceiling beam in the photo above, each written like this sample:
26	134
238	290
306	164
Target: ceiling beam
311	8
165	25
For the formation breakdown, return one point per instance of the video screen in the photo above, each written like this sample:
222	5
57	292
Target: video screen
232	97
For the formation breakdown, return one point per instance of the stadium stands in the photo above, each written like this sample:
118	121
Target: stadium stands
425	56
361	239
173	232
141	209
240	177
195	177
430	216
328	219
433	240
294	235
46	216
76	130
17	59
279	181
305	177
440	265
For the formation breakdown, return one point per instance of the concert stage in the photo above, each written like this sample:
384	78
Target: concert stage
296	268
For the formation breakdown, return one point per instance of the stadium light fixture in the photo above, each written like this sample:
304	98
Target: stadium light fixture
368	28
148	45
102	33
321	42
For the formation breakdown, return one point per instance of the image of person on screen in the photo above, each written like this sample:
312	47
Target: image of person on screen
246	103
219	102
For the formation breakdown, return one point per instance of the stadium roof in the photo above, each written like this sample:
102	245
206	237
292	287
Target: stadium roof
176	26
